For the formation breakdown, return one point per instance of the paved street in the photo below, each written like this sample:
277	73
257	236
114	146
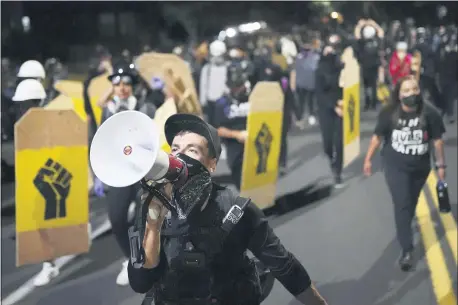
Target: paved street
345	238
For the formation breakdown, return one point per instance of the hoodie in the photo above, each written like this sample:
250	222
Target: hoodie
212	80
327	75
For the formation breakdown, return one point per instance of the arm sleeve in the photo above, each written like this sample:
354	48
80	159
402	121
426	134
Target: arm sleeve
266	246
382	127
435	124
141	280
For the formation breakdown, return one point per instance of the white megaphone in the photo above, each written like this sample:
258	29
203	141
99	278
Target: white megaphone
125	149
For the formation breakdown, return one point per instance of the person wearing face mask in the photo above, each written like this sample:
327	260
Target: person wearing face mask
124	78
212	83
200	257
329	95
409	128
400	63
304	75
231	118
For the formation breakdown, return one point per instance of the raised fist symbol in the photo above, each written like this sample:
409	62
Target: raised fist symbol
53	183
262	143
351	113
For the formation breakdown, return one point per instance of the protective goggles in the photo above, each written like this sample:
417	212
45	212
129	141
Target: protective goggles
122	78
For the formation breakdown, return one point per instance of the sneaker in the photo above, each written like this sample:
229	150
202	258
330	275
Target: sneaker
338	184
89	233
312	120
123	277
406	260
46	274
223	155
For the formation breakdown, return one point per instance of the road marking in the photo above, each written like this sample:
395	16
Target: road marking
28	287
447	219
440	277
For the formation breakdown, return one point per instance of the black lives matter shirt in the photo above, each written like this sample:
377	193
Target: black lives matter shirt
232	114
408	136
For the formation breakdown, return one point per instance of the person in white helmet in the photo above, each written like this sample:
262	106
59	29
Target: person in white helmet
213	79
32	69
29	93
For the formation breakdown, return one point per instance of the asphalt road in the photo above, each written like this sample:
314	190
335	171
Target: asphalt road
345	238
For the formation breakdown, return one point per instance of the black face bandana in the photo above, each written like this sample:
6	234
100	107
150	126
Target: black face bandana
190	197
411	101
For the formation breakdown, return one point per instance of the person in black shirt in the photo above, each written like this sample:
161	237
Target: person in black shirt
329	95
407	126
219	271
231	113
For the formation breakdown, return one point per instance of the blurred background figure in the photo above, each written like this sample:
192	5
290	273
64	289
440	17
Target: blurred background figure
329	93
304	79
212	83
400	62
369	36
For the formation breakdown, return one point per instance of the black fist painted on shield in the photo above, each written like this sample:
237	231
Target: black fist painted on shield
53	183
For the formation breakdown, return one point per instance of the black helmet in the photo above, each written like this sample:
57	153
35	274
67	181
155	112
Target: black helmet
126	71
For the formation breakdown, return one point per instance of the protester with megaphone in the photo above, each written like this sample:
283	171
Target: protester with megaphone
189	243
123	79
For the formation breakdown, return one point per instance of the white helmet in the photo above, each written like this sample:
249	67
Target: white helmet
29	89
217	48
32	69
369	32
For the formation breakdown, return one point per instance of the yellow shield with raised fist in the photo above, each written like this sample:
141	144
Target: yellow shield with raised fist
262	147
52	209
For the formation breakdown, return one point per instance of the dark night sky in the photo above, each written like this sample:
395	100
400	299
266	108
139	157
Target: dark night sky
58	24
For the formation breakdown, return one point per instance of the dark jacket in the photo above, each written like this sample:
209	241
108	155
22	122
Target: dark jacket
327	89
251	233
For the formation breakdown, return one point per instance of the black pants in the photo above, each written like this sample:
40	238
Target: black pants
210	112
449	94
119	200
304	98
331	126
428	84
370	88
236	173
405	187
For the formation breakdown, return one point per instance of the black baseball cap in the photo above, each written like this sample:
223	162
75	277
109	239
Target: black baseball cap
183	121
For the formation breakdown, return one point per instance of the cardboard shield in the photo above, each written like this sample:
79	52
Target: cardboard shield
177	77
262	147
162	114
62	102
74	90
98	87
349	79
52	209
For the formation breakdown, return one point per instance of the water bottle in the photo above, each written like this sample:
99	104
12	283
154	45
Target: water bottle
442	197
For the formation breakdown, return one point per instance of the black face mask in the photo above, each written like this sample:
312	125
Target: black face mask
190	197
411	101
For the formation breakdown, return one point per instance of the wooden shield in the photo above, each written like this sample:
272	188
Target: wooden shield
52	208
177	77
262	148
349	80
73	90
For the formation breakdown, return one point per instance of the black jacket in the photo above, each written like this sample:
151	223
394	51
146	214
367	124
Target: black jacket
251	233
327	87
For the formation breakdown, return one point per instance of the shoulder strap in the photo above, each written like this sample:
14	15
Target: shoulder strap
235	214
